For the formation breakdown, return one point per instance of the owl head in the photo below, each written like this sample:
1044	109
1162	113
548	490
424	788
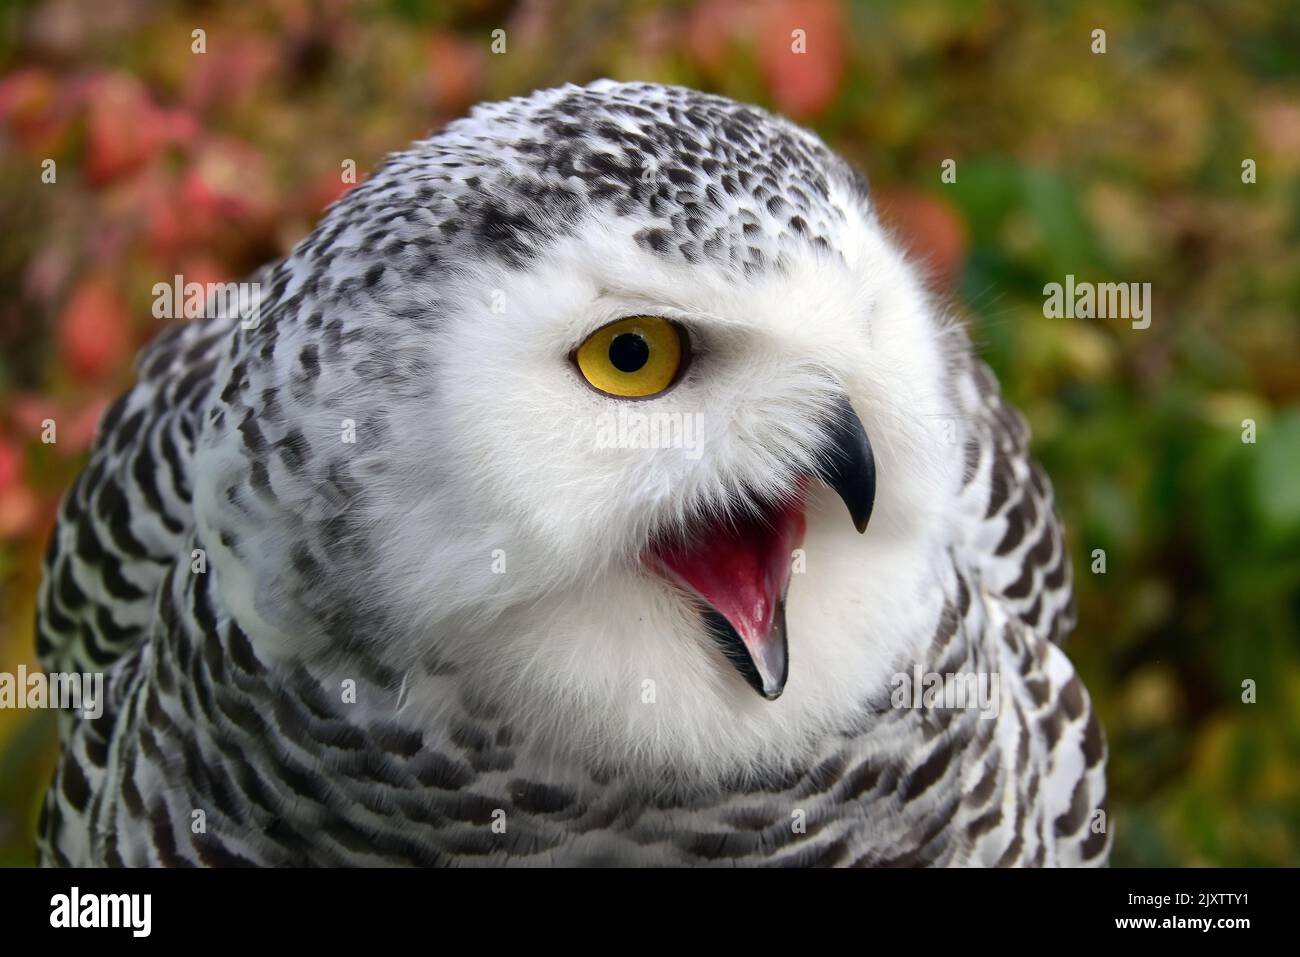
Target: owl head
614	405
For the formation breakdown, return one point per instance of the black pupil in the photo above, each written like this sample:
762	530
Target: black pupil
628	352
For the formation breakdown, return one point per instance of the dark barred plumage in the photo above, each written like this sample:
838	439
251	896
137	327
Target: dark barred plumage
215	749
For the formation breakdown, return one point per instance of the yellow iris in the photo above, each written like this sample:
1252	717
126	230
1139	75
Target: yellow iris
632	358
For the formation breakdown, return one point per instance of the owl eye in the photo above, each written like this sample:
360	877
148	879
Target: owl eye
633	358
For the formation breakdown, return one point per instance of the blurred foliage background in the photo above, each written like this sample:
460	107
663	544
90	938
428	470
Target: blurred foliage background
1123	166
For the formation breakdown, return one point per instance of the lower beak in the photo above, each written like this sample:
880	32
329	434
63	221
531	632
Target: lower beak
762	659
739	568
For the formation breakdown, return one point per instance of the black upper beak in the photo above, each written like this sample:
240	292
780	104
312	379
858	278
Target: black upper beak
848	464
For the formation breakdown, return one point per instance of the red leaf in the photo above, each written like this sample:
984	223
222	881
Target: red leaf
19	511
455	70
802	83
125	128
76	426
11	464
37	109
931	230
77	431
712	28
94	329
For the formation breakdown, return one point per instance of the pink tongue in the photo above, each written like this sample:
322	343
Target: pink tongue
740	567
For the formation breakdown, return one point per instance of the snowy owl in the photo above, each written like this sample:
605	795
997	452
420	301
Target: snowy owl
596	485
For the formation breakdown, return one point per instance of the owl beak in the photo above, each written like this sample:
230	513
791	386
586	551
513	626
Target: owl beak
738	570
762	660
848	465
738	567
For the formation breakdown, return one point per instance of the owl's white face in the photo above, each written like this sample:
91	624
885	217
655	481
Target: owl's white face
516	536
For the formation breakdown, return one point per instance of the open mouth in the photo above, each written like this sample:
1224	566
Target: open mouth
737	568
